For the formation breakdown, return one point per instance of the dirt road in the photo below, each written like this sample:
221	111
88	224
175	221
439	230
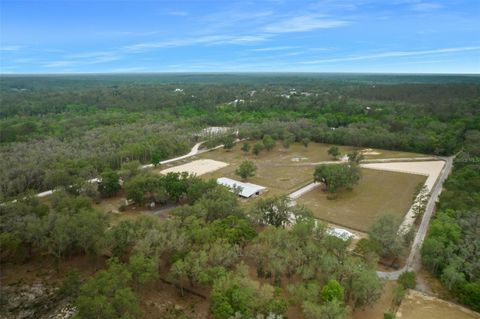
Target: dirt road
413	261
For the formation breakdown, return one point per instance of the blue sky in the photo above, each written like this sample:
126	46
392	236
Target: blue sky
401	36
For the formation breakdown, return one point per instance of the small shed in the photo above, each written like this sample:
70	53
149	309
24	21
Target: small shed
245	190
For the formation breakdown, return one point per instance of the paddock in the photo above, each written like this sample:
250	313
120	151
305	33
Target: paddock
197	167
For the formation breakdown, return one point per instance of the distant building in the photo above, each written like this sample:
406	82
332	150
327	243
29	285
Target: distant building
245	190
214	131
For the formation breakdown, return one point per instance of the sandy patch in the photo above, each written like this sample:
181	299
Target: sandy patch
432	169
369	151
298	159
416	305
198	167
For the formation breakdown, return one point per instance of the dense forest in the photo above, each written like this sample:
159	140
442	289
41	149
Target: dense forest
56	132
452	248
68	127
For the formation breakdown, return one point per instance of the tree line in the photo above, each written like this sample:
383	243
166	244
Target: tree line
210	242
451	248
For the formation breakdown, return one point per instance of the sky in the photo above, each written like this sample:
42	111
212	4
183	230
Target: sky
123	36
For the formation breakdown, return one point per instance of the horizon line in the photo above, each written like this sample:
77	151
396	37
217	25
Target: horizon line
232	73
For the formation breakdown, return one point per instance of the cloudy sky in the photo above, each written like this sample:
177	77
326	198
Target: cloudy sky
68	36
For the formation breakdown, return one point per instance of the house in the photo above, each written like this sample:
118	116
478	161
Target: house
245	190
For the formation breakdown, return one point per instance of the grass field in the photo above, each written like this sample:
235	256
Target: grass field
378	192
281	170
416	305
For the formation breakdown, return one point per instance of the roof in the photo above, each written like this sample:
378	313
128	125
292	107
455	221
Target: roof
340	233
246	189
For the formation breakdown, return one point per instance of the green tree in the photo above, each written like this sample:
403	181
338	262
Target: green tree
246	148
257	148
143	269
268	142
130	169
108	294
337	176
408	280
355	157
288	139
122	237
58	235
109	186
235	294
334	309
228	142
334	152
89	234
332	290
305	141
71	284
178	274
246	169
384	232
278	211
365	287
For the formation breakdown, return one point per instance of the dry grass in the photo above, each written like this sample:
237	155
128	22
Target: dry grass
416	305
281	170
377	193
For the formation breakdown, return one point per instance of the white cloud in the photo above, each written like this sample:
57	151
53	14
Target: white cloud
85	58
279	48
178	13
393	54
10	48
205	40
426	6
304	23
59	64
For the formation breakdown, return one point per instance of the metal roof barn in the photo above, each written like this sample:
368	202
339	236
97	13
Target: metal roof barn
245	189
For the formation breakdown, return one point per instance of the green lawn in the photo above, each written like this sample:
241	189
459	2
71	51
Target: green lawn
378	192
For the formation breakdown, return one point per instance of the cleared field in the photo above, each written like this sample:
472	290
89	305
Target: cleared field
198	167
432	169
416	305
378	192
283	170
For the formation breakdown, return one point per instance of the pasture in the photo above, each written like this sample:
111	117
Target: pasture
378	192
281	170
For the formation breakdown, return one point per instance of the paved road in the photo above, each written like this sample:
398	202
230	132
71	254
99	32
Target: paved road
413	261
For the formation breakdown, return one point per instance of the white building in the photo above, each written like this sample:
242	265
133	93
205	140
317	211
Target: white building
246	190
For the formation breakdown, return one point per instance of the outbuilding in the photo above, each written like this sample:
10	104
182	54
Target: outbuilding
245	190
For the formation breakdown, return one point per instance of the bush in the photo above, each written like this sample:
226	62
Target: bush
71	284
408	280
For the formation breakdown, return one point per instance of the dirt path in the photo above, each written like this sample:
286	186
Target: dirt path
296	194
413	262
194	151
